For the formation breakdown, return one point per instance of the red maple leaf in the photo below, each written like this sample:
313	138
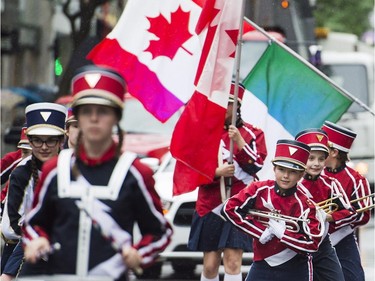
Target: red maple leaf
233	34
171	34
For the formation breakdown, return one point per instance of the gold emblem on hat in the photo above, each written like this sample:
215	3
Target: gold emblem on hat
319	137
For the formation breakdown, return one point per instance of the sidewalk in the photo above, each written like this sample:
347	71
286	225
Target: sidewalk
367	249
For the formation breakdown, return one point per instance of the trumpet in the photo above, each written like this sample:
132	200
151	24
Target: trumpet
369	202
328	205
290	222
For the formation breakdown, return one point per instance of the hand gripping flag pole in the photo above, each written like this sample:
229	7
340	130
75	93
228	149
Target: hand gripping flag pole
229	180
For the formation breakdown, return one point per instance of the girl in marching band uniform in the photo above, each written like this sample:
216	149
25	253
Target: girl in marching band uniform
45	131
209	232
87	205
321	188
284	223
356	187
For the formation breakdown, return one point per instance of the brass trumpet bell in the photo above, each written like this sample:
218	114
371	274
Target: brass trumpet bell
290	222
328	206
368	201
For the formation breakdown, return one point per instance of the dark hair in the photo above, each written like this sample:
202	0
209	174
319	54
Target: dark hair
342	156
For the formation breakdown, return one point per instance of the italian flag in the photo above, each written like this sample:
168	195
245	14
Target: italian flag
285	96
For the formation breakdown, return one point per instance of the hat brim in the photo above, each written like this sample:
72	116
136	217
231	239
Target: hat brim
69	122
339	147
44	131
319	148
24	146
288	165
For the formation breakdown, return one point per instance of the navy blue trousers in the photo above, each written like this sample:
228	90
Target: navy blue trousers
326	265
7	252
298	268
14	262
350	260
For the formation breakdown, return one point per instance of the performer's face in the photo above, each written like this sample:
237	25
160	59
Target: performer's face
316	162
72	133
96	122
45	147
286	178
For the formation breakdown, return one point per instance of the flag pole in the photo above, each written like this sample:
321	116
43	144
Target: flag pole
228	185
317	71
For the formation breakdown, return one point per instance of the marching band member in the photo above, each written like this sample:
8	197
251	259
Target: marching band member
11	159
45	131
355	186
89	199
25	149
209	232
71	130
281	247
321	188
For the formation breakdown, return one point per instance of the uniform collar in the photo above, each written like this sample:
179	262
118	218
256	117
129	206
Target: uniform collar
310	177
108	155
336	170
285	192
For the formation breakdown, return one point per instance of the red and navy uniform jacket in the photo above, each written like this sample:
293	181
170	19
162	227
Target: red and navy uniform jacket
321	188
267	196
355	187
19	198
248	161
58	218
8	163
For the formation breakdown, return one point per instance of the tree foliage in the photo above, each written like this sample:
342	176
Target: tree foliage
351	16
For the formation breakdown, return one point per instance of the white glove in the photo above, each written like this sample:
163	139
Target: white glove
266	236
322	214
277	227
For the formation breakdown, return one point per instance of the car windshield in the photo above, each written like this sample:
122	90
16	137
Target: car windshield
137	120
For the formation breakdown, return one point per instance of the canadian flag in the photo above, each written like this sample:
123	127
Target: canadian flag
155	47
196	138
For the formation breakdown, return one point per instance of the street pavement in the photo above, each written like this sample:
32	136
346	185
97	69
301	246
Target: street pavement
367	249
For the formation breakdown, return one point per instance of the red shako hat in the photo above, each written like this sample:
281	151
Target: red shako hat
98	85
241	91
339	137
24	141
317	139
291	154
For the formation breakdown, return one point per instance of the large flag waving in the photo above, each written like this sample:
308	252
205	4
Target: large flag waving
155	47
286	97
196	138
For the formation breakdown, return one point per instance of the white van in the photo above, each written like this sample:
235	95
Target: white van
354	71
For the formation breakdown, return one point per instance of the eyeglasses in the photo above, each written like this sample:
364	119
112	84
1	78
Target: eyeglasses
38	143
